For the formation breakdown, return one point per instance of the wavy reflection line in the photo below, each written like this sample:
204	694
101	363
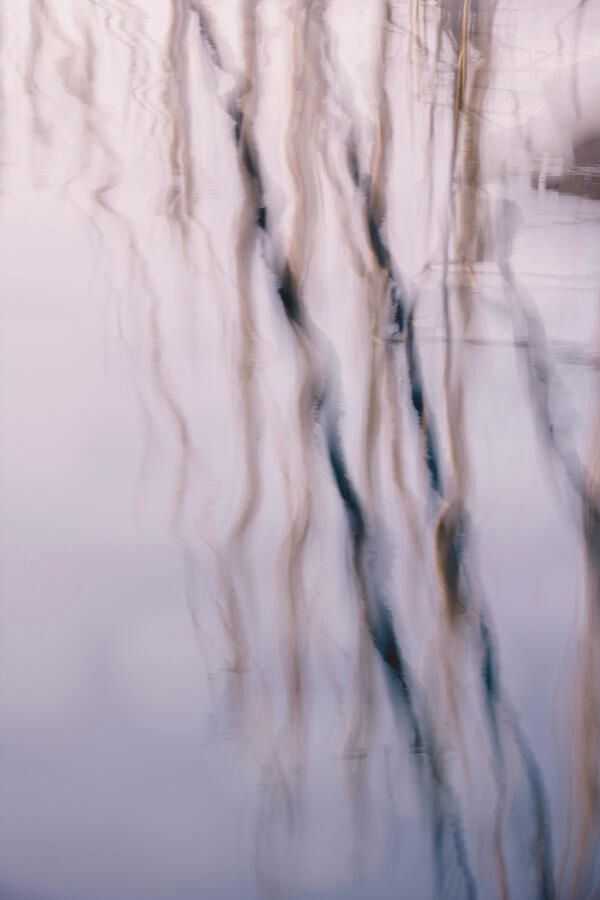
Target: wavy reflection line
540	378
285	279
182	190
452	531
374	608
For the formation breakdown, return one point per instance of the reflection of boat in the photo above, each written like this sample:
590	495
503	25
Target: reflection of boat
574	118
581	174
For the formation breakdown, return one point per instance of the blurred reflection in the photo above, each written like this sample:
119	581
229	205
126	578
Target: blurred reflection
338	505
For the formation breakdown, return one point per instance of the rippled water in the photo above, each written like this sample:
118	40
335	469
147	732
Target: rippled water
300	467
